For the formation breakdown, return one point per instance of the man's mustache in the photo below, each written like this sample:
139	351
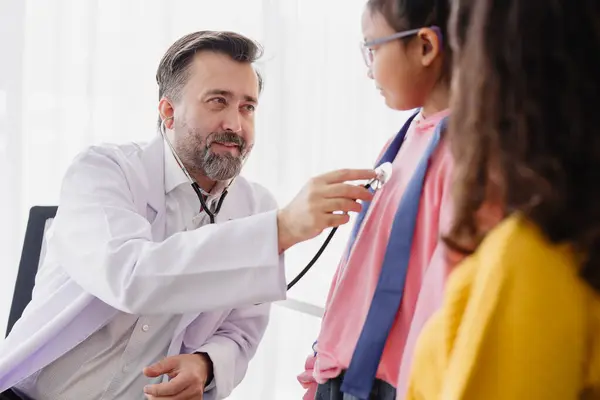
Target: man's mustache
226	138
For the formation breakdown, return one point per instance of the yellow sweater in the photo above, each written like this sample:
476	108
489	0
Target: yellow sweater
517	323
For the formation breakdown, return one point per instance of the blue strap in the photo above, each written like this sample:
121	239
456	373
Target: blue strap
388	156
360	375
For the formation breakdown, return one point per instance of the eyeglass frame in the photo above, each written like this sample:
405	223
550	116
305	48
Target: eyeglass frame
367	46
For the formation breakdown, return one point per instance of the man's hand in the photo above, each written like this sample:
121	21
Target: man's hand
188	375
323	203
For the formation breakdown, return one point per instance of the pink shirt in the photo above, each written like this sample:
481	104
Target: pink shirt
355	280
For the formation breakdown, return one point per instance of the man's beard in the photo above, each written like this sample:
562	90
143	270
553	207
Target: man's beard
196	154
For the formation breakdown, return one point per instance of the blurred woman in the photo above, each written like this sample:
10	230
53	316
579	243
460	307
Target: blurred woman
521	316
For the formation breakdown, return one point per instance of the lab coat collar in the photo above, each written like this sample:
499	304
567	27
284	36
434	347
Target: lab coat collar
174	176
156	158
153	162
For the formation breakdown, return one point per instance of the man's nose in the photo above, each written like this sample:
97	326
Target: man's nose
232	120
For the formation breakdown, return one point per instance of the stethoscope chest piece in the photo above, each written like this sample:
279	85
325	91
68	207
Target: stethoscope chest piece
384	173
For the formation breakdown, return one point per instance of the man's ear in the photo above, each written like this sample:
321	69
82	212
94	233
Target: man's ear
431	46
166	111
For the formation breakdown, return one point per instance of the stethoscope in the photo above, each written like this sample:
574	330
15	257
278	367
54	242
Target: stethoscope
212	213
384	172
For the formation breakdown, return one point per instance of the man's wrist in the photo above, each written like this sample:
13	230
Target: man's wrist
209	367
284	237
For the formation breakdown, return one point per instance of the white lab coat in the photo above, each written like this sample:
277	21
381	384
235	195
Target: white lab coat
107	251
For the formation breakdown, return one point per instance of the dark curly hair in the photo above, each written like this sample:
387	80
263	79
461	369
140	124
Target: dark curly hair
524	129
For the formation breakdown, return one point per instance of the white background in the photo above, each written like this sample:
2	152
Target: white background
77	72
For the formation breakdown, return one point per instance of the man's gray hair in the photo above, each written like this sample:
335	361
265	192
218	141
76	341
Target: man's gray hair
173	70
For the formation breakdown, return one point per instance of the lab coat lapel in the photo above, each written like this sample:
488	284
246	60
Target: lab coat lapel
154	165
231	209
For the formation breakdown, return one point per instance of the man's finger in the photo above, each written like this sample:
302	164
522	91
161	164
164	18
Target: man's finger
345	205
335	220
164	366
190	393
346	175
347	191
171	388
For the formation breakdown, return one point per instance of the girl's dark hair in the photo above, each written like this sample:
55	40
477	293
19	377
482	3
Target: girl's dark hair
404	15
524	130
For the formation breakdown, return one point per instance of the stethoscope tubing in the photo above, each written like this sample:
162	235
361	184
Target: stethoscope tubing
319	252
213	213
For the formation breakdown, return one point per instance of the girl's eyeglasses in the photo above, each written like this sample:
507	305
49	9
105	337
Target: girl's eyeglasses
367	46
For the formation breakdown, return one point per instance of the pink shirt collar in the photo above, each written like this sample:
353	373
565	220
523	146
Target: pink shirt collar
425	124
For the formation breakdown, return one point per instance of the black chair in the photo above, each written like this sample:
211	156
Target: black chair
39	220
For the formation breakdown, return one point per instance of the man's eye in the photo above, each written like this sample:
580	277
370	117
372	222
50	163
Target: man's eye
250	107
218	100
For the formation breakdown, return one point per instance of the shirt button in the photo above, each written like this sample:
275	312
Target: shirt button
145	328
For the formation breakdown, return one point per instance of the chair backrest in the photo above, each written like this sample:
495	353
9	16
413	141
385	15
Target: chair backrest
32	254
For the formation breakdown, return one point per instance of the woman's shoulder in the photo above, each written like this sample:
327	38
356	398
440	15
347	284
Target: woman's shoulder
516	267
518	278
516	264
517	249
517	291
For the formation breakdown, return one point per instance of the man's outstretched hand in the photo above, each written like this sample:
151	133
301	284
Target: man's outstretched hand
188	375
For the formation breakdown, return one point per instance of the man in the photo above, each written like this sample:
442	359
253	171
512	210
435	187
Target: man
138	284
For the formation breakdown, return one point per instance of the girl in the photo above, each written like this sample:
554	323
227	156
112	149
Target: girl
521	318
392	275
